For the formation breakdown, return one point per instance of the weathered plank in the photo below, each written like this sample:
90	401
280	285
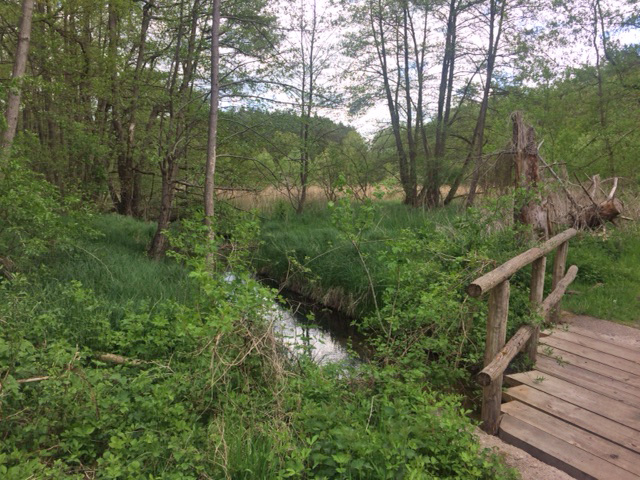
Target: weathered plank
592	354
558	453
590	380
610	453
593	366
597	344
570	413
609	338
580	396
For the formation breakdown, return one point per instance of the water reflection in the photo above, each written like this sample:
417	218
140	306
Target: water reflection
328	338
317	341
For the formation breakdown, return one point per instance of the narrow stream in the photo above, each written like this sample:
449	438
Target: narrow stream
321	334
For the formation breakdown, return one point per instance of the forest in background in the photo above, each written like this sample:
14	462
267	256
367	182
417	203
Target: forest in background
357	152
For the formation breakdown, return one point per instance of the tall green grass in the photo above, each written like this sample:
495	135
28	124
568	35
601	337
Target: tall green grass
608	282
114	265
326	259
607	286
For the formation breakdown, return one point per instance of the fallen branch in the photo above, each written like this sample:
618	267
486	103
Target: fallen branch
118	359
34	379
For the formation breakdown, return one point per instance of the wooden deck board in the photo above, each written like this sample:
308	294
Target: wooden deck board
593	381
592	354
580	396
582	413
593	366
614	339
600	345
594	444
558	453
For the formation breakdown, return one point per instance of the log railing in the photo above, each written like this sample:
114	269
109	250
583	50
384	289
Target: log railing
499	353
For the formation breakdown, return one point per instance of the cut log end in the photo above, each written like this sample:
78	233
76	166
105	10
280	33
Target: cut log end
474	290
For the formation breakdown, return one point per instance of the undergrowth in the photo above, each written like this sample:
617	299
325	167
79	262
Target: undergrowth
113	366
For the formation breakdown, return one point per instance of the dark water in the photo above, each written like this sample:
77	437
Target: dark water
324	335
321	334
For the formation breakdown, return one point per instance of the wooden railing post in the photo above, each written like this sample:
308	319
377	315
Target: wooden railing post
558	273
537	292
496	339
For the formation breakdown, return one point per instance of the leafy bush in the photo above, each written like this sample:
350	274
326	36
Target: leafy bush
31	215
385	424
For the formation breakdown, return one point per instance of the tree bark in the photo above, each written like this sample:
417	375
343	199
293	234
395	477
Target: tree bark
527	176
210	169
19	68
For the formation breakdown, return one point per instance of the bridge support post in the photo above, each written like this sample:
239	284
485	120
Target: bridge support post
537	292
558	274
496	339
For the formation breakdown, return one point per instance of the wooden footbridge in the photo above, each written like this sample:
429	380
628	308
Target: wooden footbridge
579	408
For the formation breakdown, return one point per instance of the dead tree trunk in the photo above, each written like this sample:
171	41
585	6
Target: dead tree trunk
597	214
527	177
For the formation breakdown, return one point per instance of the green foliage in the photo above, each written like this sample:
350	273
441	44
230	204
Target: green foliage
208	394
153	419
31	215
418	264
607	285
385	425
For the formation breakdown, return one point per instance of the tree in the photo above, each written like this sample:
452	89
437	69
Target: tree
210	167
496	17
19	68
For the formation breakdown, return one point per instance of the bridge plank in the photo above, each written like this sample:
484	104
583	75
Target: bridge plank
558	453
570	413
598	446
593	381
609	338
611	360
598	344
580	396
595	367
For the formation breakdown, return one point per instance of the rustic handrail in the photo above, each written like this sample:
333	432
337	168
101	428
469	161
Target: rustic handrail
498	353
498	275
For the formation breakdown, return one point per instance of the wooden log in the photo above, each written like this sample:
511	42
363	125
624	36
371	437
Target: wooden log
488	281
549	307
496	337
501	361
118	359
596	215
559	265
537	292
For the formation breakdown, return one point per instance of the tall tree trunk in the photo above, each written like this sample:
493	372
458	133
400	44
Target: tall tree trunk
19	68
177	129
444	106
210	170
477	141
602	106
377	30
